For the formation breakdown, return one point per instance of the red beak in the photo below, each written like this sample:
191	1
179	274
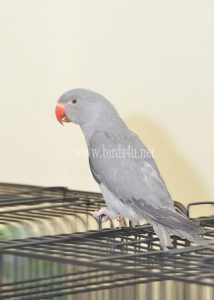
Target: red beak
60	114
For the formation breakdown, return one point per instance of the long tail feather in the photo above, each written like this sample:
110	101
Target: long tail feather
163	235
166	222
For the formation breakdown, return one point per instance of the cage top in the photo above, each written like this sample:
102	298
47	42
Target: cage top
128	250
24	203
97	259
19	194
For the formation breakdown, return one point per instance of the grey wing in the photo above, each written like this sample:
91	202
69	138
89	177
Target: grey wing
96	177
138	184
129	178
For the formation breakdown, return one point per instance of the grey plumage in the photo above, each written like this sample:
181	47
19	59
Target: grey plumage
137	183
127	174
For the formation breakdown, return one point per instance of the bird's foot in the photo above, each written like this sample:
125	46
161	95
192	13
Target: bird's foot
101	214
122	221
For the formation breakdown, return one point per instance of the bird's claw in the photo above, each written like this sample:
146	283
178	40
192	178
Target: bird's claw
122	221
101	214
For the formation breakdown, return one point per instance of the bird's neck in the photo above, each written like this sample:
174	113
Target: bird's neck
88	131
102	125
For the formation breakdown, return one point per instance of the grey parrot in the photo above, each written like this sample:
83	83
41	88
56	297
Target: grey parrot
128	176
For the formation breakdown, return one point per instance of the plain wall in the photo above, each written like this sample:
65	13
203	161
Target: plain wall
153	59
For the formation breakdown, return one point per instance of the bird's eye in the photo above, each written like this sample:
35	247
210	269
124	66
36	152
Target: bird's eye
74	101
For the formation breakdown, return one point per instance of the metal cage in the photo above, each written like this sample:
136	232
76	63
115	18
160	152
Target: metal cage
51	248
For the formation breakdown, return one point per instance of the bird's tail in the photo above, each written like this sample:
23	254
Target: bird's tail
167	222
164	233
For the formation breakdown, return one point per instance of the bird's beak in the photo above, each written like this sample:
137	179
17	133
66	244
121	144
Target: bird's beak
60	114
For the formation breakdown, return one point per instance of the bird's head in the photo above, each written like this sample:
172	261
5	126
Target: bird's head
81	106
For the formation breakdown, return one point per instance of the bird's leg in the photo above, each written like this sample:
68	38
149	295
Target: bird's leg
102	213
122	221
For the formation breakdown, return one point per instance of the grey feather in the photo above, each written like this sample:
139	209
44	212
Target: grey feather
93	172
128	176
137	182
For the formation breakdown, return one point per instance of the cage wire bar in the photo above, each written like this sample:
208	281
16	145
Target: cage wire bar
30	211
75	259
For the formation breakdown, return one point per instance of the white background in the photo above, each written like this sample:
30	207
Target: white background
153	59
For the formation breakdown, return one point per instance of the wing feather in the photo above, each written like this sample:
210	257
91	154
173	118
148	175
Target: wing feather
125	171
